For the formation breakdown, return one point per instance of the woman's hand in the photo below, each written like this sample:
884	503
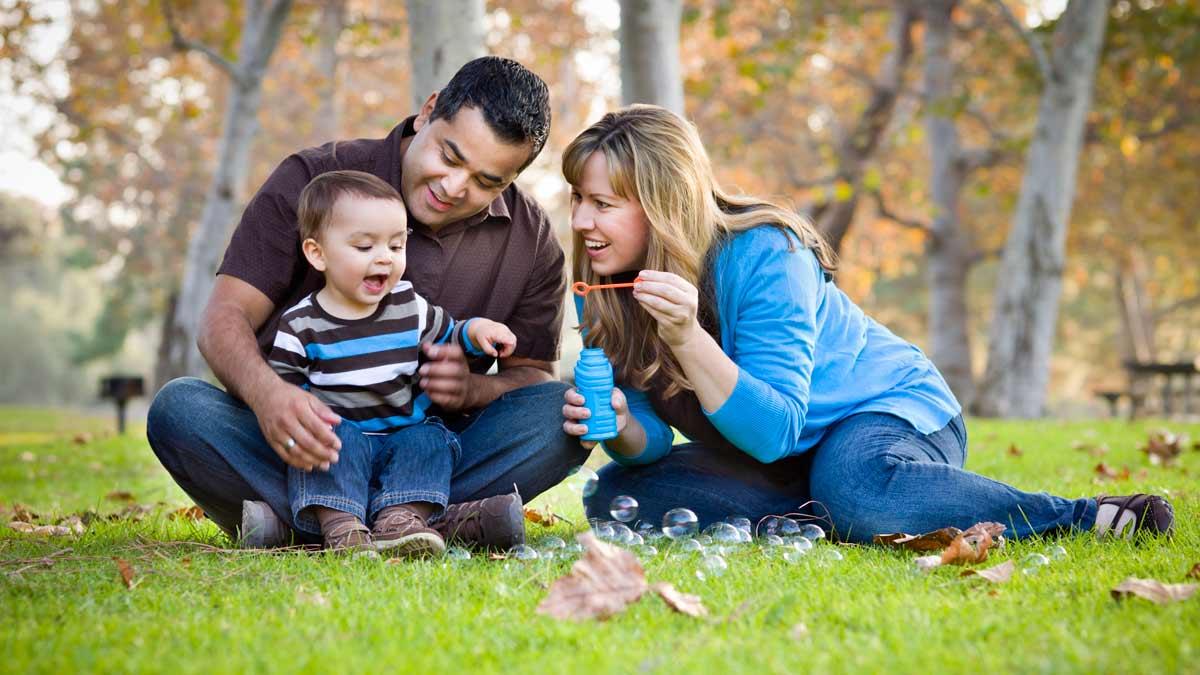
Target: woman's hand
673	303
576	412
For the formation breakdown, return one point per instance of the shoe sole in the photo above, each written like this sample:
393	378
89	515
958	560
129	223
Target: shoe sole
418	545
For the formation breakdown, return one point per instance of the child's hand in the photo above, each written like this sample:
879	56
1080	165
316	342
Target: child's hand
490	335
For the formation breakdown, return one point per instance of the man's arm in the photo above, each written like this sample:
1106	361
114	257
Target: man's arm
226	339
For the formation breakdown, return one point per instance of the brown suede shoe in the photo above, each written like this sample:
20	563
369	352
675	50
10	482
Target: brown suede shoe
347	533
401	533
496	523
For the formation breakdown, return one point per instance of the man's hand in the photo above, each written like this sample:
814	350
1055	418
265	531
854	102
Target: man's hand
445	375
298	426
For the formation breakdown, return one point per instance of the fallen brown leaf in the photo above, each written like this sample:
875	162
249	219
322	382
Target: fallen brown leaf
1105	471
1014	450
81	438
1194	573
680	602
21	526
1163	447
972	545
119	496
601	583
997	574
188	513
545	517
930	541
1091	448
1154	591
126	571
51	530
23	514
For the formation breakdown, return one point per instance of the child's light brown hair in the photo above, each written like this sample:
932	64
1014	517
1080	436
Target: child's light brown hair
318	197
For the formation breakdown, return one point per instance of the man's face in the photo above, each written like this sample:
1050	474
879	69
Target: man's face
453	168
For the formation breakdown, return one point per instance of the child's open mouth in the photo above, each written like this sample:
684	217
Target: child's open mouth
375	283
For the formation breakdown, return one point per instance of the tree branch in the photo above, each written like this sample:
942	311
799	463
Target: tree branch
1031	41
179	42
981	254
885	212
1185	303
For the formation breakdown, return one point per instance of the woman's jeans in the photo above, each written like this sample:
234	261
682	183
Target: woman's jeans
211	445
872	473
375	471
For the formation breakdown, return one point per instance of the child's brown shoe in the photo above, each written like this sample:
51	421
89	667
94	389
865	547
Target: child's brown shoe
346	533
401	533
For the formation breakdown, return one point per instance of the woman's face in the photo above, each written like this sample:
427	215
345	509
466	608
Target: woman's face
614	230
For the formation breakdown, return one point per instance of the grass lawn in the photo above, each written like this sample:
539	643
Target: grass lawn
197	606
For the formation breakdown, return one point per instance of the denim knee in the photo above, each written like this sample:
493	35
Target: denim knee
170	417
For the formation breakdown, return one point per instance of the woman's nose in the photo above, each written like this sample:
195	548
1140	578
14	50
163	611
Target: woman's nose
581	219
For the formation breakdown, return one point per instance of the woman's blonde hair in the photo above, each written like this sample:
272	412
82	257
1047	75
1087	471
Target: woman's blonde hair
656	157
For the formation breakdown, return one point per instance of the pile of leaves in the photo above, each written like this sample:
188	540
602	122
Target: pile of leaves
957	547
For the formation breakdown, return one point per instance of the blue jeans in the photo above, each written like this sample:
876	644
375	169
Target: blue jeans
874	473
376	471
211	445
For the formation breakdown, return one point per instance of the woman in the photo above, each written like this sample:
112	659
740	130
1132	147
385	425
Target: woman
736	335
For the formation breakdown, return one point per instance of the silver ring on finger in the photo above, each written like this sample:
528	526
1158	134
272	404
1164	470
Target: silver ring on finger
289	444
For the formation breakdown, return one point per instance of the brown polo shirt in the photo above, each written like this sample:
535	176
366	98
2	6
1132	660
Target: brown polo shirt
503	263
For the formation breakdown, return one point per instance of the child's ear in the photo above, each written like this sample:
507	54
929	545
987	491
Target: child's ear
312	251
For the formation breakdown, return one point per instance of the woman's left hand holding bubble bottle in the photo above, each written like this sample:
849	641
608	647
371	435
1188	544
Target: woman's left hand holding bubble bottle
575	414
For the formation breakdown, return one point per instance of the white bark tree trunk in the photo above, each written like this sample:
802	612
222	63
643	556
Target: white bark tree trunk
261	29
329	109
1030	280
949	249
650	70
443	35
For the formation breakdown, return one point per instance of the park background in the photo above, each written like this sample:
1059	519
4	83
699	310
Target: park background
905	130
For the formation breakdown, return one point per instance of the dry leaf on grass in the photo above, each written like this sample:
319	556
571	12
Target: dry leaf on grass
126	571
973	544
82	438
1194	573
119	496
930	541
51	530
996	574
1014	450
1104	471
1154	591
23	514
1091	448
603	582
680	602
21	526
545	517
799	631
188	513
1163	447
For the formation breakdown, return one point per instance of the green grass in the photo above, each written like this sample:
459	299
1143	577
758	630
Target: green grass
198	607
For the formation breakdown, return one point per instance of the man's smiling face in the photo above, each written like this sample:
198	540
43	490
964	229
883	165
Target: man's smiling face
453	168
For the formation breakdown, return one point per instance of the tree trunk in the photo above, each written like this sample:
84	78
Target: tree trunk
443	35
329	109
949	247
833	218
1135	308
1030	279
260	34
650	70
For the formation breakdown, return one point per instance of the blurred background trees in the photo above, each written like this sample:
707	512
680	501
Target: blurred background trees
1027	249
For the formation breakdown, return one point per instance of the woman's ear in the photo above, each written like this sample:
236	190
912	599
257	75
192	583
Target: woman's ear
314	254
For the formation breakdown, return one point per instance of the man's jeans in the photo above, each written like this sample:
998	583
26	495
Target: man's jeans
375	471
873	472
211	445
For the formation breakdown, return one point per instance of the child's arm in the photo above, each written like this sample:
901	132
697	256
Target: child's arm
477	336
493	337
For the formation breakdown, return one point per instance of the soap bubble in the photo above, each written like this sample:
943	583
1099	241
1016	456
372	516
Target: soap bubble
644	527
583	480
831	555
723	533
793	555
769	525
635	539
623	508
553	543
573	548
458	553
645	550
713	565
789	528
621	533
603	530
740	522
1057	553
523	552
802	544
811	531
689	546
1033	563
704	539
773	540
679	523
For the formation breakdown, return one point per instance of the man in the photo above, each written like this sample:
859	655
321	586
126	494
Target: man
479	247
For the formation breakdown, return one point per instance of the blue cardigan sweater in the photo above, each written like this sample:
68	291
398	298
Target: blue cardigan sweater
807	357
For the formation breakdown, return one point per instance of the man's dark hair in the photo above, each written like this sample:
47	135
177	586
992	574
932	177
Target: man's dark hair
513	100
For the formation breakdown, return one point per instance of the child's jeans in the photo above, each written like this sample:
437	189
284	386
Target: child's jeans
377	471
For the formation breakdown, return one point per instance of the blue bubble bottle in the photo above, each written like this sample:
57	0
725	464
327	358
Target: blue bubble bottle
594	380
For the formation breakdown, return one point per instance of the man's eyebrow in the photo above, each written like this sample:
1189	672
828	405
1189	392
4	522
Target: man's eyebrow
458	155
